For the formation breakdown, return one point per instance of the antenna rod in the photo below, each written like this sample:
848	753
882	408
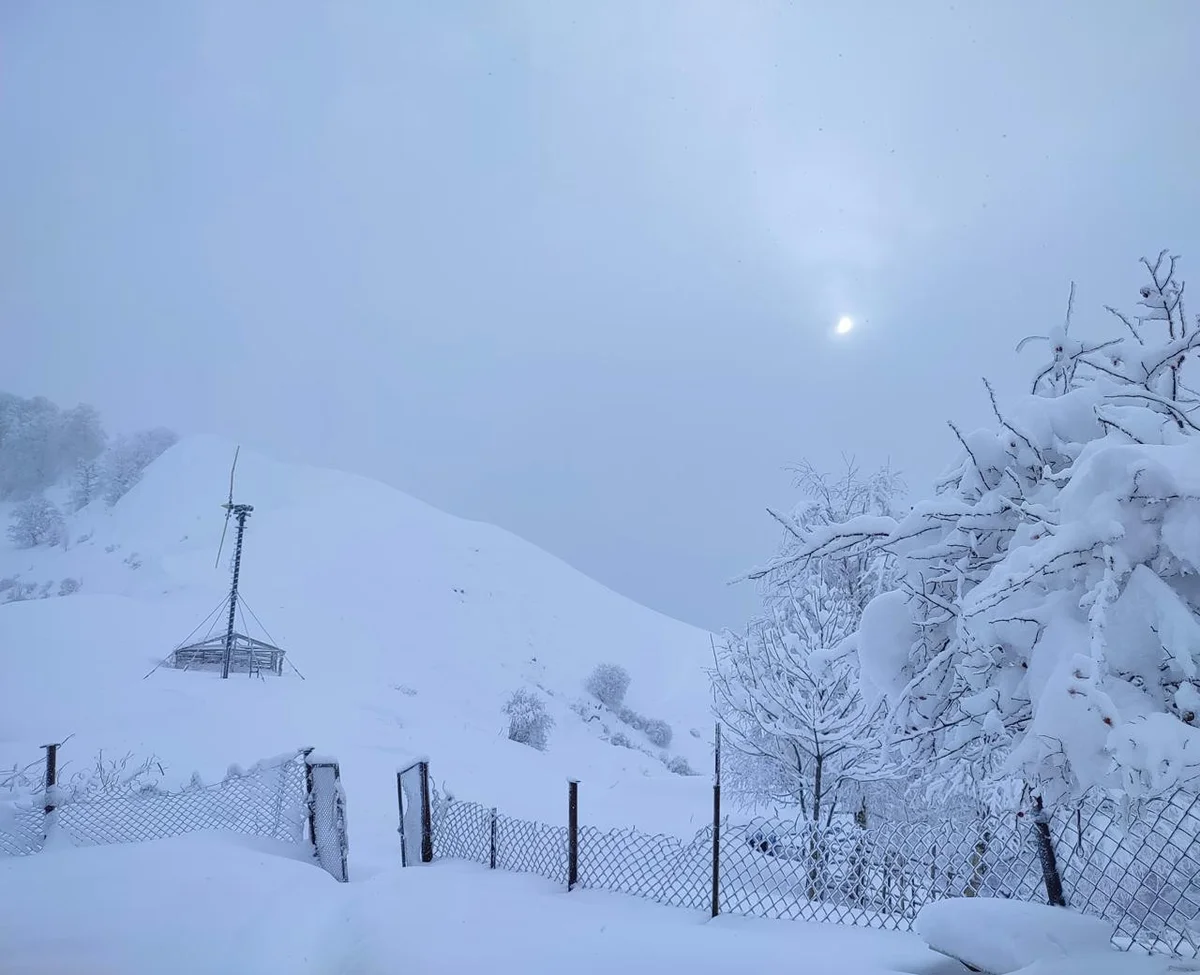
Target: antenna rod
241	512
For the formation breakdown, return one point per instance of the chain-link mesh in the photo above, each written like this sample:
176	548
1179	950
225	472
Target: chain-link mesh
523	846
328	823
21	829
1140	871
664	868
461	831
269	799
877	877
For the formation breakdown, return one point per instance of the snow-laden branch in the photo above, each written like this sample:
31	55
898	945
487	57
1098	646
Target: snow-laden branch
1044	618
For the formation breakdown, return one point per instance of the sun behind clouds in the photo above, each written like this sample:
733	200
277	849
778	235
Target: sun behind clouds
845	325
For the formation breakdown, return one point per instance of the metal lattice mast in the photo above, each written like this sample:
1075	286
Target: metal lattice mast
241	512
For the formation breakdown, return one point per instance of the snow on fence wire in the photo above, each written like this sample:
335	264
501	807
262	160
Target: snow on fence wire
1142	872
291	798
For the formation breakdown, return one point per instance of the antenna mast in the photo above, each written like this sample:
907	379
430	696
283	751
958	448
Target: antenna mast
241	512
214	651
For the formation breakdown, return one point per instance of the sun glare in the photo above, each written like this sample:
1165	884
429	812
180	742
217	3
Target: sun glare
845	324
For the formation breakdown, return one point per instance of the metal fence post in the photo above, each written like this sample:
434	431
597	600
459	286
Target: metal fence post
716	841
572	833
492	859
426	815
400	808
51	776
308	799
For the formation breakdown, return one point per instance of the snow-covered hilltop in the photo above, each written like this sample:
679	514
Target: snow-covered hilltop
411	628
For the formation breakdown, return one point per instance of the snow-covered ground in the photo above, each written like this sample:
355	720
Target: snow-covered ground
209	904
410	626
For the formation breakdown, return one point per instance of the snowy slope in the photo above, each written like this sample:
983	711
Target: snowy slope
410	626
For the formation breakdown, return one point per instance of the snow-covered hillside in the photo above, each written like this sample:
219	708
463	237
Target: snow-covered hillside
411	628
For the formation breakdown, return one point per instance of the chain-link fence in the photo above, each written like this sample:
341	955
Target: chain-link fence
1140	871
289	798
327	815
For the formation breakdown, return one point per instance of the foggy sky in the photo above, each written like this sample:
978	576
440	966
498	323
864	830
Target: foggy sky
573	268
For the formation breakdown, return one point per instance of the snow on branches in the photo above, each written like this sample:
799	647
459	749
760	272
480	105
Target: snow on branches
1047	601
790	698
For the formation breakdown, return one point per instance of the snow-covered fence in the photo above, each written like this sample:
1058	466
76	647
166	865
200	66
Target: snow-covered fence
1141	870
468	831
291	798
326	804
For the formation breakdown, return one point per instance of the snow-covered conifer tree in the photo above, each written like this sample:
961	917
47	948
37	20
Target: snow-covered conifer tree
1046	620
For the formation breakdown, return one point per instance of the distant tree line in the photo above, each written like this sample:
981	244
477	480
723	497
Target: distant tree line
43	446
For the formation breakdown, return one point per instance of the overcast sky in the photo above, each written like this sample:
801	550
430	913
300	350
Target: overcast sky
570	267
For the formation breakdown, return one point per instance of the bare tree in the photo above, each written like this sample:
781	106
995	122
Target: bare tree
787	689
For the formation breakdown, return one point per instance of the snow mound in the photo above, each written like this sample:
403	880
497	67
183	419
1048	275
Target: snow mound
1111	963
1000	936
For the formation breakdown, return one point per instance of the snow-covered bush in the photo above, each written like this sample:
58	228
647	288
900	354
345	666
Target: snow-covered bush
113	777
20	591
1047	621
69	586
621	740
680	766
608	684
659	733
36	521
528	721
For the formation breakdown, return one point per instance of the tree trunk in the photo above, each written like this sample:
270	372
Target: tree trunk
816	845
817	772
978	863
1045	847
859	870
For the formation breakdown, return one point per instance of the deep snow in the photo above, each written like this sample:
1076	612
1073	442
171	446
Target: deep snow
209	904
